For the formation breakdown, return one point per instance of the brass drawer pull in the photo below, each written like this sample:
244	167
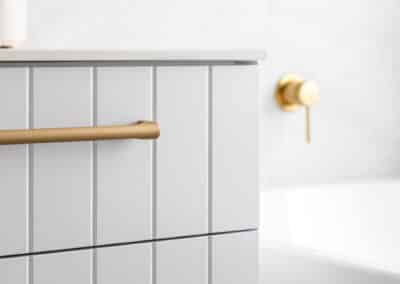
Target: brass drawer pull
137	130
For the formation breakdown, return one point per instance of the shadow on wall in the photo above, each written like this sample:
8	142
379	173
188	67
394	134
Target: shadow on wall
284	266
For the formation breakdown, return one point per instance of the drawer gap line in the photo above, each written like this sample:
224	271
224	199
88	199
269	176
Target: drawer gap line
128	243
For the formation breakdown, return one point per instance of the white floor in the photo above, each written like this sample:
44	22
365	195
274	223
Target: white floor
337	233
285	266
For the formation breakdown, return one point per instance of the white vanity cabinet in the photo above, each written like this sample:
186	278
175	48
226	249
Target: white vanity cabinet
182	208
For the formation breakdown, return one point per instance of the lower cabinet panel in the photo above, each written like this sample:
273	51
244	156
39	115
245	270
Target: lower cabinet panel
182	261
14	270
235	258
124	264
63	268
231	259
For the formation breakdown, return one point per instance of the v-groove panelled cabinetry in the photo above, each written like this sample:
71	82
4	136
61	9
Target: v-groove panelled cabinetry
182	208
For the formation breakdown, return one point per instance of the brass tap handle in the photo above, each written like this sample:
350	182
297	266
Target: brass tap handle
308	125
293	92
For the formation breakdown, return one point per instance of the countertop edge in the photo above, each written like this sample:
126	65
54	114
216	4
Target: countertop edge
30	55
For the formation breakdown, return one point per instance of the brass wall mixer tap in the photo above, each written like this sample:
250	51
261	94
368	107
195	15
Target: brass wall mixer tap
293	92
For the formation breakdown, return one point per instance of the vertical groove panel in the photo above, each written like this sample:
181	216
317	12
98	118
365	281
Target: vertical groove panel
62	176
235	258
182	261
30	177
210	160
13	270
14	232
182	193
14	176
235	143
63	268
154	179
124	167
94	178
125	264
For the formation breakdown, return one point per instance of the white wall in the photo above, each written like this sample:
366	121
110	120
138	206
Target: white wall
154	24
351	49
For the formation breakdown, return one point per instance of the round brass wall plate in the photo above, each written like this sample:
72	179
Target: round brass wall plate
280	89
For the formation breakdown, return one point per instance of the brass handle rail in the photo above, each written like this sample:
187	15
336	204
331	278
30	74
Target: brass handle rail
137	130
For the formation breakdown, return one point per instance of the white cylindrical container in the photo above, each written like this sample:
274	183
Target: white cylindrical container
13	14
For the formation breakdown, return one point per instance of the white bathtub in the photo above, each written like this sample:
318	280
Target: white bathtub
342	233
